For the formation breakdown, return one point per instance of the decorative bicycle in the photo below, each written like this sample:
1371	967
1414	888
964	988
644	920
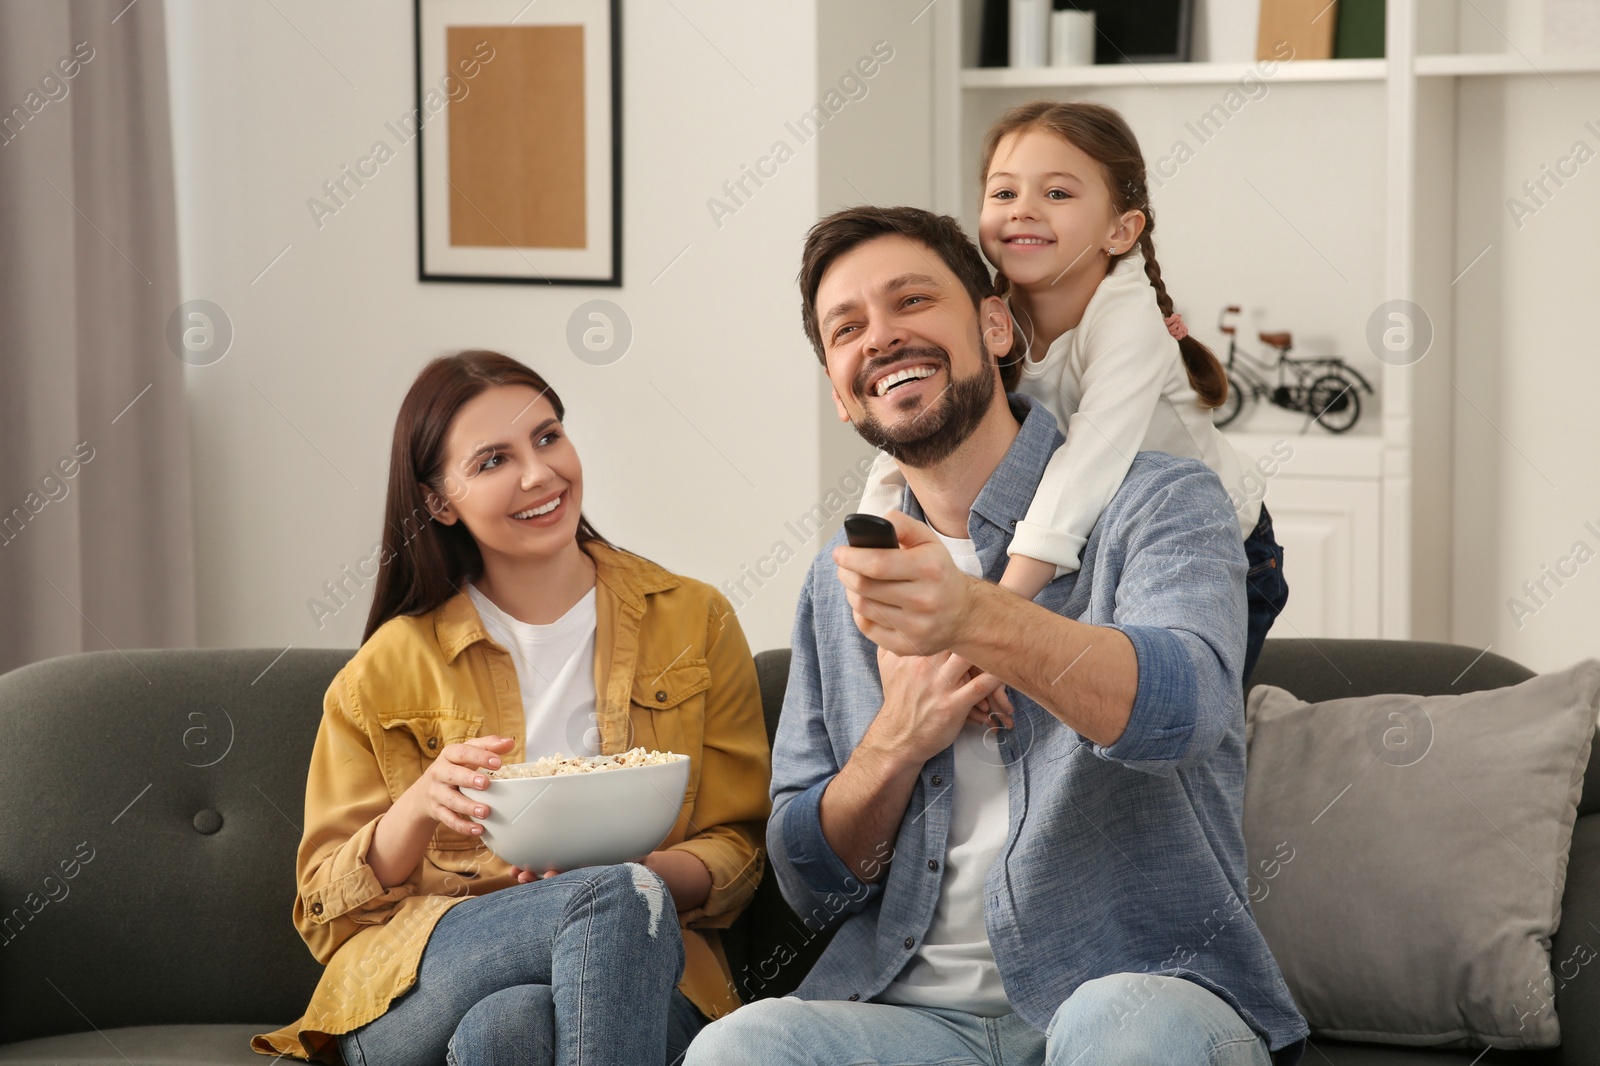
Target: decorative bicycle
1326	389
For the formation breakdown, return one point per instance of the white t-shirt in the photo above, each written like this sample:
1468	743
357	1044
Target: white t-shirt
955	968
555	671
1117	386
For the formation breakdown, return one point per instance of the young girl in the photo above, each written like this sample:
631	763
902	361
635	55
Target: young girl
1067	224
504	628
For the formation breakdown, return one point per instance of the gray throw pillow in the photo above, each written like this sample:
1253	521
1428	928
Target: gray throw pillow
1407	855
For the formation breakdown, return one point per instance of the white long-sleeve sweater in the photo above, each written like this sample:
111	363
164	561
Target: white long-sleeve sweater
1117	386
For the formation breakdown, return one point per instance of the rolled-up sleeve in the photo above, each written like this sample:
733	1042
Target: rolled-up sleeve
1181	603
810	874
345	796
732	805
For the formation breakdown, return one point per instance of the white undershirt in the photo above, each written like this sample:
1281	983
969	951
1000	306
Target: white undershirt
955	968
555	671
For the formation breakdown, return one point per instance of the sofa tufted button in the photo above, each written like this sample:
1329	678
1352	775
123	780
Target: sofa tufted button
316	908
661	695
207	821
433	742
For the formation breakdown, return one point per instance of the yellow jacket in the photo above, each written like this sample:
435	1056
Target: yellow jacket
672	672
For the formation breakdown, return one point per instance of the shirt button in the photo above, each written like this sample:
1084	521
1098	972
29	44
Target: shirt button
933	864
854	996
433	742
316	908
938	779
910	941
661	696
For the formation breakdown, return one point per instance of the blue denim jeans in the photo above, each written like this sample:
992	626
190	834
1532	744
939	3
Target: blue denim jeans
578	968
1119	1019
1266	592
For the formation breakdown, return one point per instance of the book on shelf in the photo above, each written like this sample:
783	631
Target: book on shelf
1306	25
1360	30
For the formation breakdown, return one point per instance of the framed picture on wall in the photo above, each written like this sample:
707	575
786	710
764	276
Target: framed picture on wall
518	124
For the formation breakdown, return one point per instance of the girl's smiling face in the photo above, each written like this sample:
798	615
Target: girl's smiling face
1047	212
512	475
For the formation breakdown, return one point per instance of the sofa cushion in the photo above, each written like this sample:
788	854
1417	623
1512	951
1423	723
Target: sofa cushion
153	881
1408	855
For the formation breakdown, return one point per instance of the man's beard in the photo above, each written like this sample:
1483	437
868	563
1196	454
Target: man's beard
929	438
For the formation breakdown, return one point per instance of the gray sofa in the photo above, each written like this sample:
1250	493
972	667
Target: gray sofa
153	805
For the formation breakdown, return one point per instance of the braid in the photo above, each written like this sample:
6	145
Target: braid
1152	269
1206	376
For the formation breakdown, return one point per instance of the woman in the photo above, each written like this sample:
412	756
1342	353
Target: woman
503	628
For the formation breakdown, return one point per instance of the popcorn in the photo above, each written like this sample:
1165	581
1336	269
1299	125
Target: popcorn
554	765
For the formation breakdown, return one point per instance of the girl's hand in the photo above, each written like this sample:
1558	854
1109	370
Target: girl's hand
438	791
526	876
994	709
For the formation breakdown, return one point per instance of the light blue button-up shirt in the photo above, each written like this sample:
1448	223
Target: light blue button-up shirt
1121	858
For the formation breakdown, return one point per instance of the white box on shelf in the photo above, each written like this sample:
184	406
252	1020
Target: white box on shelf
1071	38
1030	33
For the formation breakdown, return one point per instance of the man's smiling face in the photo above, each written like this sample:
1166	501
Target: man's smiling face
904	351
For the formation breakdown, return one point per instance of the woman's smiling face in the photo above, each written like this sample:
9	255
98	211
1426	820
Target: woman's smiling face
512	474
1047	212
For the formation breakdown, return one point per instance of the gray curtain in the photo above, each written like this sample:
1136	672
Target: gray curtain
96	532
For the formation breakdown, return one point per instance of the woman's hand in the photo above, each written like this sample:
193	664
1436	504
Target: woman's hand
403	831
437	793
686	876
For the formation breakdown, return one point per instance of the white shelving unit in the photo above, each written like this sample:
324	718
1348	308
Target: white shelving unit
1320	197
1165	74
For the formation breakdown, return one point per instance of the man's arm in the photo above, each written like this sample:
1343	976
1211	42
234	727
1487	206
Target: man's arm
923	711
917	598
1156	688
862	808
833	826
1086	676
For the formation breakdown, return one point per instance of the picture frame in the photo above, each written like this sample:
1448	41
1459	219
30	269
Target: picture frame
518	124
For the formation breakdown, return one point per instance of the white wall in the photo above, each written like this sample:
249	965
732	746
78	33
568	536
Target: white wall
291	430
878	150
1527	376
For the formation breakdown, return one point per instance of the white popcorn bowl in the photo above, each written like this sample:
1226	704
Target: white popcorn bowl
565	821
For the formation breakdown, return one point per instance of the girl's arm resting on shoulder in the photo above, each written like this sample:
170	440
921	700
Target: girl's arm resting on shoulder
1027	576
1122	383
728	819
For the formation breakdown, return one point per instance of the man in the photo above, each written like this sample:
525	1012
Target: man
1066	885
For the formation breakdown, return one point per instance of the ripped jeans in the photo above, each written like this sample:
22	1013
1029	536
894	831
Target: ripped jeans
581	967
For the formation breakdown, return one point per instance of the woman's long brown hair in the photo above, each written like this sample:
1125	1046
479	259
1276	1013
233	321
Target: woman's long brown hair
423	562
1101	133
